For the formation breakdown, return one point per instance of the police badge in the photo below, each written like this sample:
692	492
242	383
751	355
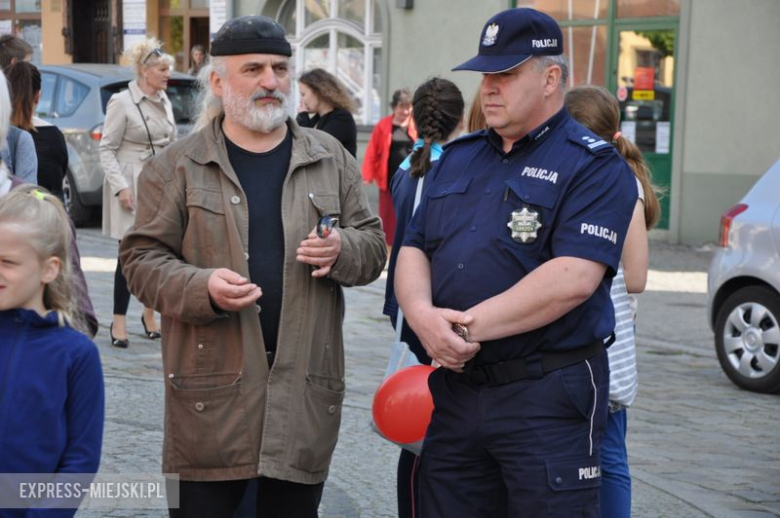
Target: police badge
491	32
524	224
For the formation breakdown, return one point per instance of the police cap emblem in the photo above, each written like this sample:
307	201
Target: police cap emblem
491	32
523	224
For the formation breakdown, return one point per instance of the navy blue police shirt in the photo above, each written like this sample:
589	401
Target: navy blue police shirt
569	193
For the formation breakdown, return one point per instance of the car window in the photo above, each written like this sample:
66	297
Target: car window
48	87
183	95
107	91
69	95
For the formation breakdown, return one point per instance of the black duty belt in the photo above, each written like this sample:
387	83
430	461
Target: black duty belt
533	367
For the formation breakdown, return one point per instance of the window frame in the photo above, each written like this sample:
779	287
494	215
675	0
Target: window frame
331	26
16	18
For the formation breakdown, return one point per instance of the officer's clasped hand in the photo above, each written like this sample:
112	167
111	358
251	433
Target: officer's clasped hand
442	342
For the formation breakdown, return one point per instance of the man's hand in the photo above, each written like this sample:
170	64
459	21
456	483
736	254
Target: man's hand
443	345
230	291
126	199
320	252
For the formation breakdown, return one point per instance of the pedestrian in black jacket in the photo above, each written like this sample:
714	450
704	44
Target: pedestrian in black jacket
328	107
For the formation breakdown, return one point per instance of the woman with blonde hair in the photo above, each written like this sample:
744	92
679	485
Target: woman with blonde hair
328	107
139	124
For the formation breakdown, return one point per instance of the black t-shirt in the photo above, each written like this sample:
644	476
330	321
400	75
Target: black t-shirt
400	147
52	157
262	177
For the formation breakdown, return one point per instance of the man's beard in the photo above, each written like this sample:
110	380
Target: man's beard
246	112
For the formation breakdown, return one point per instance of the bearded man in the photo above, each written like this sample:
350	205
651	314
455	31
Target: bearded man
225	246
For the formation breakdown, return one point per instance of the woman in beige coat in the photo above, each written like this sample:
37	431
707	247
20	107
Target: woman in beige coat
139	124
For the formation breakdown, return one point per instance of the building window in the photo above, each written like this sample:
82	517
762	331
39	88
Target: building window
568	10
343	37
23	18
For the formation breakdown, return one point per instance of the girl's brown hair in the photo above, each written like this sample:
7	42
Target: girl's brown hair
598	110
46	227
327	87
437	109
476	120
24	81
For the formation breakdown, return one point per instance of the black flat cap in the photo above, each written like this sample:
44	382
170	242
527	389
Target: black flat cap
250	35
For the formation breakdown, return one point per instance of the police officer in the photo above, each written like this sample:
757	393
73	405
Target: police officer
505	275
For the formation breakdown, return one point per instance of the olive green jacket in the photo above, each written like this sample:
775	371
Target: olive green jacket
226	415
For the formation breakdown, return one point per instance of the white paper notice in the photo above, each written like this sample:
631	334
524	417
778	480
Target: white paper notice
218	15
134	21
663	132
628	130
6	27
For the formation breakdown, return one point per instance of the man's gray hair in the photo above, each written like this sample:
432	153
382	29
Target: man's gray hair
208	105
542	62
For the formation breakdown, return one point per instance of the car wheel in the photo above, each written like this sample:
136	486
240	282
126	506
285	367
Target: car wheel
80	214
747	338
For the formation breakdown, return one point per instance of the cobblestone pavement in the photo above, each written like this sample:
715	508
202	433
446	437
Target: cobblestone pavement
698	445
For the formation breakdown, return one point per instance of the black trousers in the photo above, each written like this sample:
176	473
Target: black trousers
274	498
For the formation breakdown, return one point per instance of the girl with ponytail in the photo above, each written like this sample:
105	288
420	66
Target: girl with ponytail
598	110
437	110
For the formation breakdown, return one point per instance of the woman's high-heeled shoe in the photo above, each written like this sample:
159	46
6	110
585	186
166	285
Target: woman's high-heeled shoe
122	343
151	335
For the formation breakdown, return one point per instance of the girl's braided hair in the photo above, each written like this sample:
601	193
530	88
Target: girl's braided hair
437	108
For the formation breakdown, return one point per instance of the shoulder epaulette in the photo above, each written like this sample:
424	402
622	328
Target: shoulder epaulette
590	141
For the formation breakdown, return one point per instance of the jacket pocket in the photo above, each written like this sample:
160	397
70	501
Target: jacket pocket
204	199
529	214
575	483
208	426
205	236
317	424
325	204
445	205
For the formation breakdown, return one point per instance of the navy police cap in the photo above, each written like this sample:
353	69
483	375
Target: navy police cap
512	37
250	35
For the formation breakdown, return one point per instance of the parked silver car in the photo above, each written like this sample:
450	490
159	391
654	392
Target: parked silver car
74	98
743	295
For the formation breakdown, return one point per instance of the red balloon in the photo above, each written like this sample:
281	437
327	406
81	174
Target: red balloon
403	405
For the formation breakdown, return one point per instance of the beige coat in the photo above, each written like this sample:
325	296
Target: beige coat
226	415
125	147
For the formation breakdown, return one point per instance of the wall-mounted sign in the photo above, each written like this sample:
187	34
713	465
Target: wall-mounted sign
644	78
134	21
218	15
643	95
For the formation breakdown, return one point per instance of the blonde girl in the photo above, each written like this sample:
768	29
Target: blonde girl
51	390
